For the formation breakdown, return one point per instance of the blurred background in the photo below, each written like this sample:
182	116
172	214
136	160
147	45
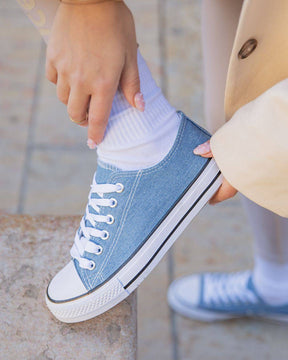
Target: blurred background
46	168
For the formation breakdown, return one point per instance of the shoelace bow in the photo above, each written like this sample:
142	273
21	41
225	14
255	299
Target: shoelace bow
87	229
228	289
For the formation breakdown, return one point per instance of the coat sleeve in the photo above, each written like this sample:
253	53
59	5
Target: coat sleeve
251	149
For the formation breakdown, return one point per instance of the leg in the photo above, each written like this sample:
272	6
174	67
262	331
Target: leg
267	285
133	217
219	24
271	252
270	231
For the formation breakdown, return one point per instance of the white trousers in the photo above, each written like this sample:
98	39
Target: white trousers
219	24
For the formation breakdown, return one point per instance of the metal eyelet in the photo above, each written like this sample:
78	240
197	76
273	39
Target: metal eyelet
111	220
100	250
91	265
121	186
113	203
105	235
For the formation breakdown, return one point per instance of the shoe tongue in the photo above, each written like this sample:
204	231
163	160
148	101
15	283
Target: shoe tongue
250	285
252	288
102	175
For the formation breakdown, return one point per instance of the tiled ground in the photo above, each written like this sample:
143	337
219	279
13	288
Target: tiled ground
45	168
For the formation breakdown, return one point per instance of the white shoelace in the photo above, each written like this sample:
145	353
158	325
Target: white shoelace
228	289
82	241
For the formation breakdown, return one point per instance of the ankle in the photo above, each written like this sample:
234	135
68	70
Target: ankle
140	140
271	281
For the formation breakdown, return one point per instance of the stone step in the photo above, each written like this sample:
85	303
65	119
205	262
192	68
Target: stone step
32	250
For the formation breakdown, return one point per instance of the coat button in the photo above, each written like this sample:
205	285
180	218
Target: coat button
247	49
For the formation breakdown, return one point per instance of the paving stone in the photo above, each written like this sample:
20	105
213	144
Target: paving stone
20	51
237	339
10	6
32	250
147	17
183	57
59	181
154	333
11	163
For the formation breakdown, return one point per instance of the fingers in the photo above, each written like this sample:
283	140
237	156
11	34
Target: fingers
59	79
63	89
226	191
50	72
99	111
204	150
75	99
130	84
77	106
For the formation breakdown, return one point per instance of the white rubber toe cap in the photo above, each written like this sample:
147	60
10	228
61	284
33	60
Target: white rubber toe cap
66	284
184	294
187	290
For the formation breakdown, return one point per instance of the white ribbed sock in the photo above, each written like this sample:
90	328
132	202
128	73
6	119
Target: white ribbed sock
271	281
137	140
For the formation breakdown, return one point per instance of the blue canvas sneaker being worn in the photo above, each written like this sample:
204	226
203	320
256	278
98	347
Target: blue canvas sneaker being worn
132	218
221	296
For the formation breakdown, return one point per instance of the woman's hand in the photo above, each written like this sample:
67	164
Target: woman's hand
92	49
226	190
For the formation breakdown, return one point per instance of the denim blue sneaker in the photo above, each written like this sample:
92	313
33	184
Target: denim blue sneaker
132	218
221	296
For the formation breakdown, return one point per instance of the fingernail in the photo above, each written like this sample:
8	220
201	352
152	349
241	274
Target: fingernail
91	144
202	149
139	102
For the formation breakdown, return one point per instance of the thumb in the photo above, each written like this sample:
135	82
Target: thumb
204	150
130	85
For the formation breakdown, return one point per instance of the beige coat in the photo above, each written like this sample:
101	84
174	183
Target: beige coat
251	149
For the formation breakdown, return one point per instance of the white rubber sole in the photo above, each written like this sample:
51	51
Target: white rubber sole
137	269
